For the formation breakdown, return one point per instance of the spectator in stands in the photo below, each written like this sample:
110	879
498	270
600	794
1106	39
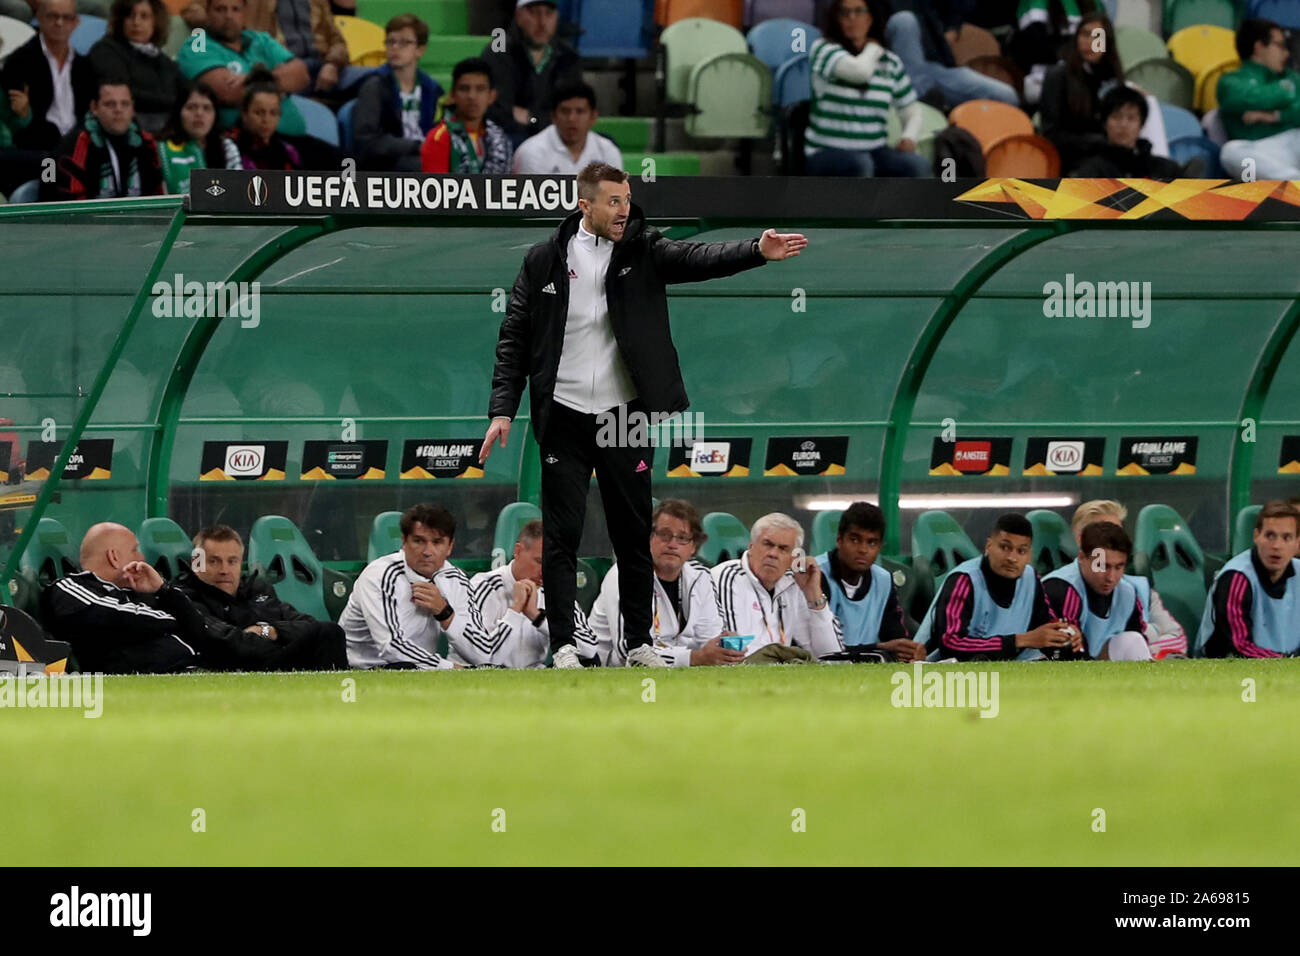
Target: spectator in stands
1259	104
1043	35
259	145
509	609
467	142
192	141
569	143
526	74
862	593
57	82
132	48
686	630
287	639
118	614
785	610
855	80
1163	632
107	155
227	59
24	11
1095	596
306	28
397	106
1125	154
404	601
1253	608
17	166
1070	107
993	607
921	32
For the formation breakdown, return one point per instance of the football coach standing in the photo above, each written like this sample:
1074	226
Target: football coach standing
586	329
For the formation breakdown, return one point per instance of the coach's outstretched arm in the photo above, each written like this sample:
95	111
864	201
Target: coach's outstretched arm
511	372
683	261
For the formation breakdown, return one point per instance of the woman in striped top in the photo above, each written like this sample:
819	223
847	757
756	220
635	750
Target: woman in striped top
855	80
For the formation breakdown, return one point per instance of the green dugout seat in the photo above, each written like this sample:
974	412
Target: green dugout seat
166	546
1053	545
279	553
939	544
1166	552
727	538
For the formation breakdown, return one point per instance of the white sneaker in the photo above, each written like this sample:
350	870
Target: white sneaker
566	658
644	656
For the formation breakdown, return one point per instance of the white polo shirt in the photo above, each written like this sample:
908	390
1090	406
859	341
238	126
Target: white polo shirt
63	108
592	376
545	153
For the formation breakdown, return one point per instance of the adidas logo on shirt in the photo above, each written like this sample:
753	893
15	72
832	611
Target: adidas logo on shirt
549	287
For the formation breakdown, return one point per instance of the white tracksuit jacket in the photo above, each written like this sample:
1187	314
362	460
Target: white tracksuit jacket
672	641
782	618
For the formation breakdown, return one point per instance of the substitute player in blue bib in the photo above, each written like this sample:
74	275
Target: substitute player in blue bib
1093	594
862	593
1253	609
993	607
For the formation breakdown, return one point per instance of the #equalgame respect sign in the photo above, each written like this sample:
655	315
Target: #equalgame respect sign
1161	455
441	458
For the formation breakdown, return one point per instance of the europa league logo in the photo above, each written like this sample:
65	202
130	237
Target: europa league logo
257	191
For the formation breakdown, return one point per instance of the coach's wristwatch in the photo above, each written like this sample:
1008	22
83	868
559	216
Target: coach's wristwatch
265	629
445	614
541	616
818	605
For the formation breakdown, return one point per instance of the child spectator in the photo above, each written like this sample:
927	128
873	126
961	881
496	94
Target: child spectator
467	142
397	105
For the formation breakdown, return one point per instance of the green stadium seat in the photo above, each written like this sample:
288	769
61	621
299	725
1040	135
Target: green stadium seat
1180	14
666	164
824	529
443	16
444	52
385	535
1136	45
510	522
727	538
1165	551
165	545
688	43
279	553
50	556
1054	545
939	544
731	96
1165	79
908	581
627	132
1243	529
338	588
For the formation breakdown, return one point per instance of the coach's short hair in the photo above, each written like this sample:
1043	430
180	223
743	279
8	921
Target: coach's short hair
217	532
1012	523
777	520
864	515
530	532
593	174
682	510
1098	508
1277	509
434	517
1105	535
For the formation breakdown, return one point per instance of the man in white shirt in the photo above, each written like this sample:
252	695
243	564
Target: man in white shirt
587	328
568	144
508	606
49	80
686	628
774	595
404	601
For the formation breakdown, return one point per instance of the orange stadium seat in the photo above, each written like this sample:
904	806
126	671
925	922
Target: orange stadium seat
974	42
668	12
990	122
1023	157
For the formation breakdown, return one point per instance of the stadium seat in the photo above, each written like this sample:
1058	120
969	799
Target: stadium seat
278	552
1053	545
1179	121
687	43
791	126
1136	45
510	522
727	538
665	164
792	82
761	11
1243	529
627	132
1165	551
1285	13
385	535
178	32
773	41
444	17
321	123
1165	79
908	581
824	528
974	42
1207	52
347	137
731	96
165	545
939	544
670	12
13	34
1023	157
365	41
88	33
50	555
1186	148
444	52
990	122
1207	84
29	191
1180	14
616	28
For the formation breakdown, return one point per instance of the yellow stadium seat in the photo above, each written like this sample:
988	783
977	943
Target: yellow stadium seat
1208	52
365	41
1207	84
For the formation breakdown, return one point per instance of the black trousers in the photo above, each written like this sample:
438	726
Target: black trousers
301	646
569	453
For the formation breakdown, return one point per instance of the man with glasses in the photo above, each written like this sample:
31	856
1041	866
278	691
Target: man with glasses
686	630
1259	104
397	105
47	81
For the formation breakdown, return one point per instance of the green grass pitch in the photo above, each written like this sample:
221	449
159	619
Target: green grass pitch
711	772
